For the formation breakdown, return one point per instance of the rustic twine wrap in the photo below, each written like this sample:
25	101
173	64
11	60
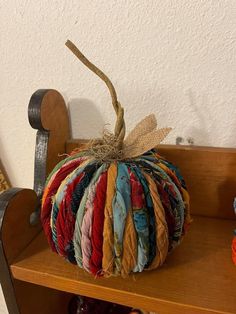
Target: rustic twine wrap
110	147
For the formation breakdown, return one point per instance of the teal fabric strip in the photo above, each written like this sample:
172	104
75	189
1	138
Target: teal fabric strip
151	215
141	226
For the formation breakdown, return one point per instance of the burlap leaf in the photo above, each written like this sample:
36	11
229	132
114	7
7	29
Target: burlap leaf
145	126
144	143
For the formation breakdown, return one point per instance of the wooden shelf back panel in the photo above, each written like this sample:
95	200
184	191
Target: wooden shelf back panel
209	173
198	277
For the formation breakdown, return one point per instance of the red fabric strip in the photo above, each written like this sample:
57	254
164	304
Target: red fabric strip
95	262
65	223
47	207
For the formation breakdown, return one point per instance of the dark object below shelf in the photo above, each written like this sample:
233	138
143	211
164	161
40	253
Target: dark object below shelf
85	305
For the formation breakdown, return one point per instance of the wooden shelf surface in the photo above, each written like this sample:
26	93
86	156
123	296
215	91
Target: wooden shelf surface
198	277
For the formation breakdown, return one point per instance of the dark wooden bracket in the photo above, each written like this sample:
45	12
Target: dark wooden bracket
47	113
5	275
19	208
11	203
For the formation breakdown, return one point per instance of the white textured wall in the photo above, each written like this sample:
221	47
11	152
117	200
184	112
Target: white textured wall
174	58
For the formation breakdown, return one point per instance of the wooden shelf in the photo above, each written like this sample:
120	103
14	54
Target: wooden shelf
198	277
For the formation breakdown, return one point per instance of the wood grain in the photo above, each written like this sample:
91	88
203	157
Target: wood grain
210	176
15	236
209	173
34	299
198	277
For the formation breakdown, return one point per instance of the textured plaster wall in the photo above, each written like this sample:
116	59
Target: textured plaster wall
174	58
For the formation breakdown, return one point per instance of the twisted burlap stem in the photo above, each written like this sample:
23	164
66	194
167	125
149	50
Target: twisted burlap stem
111	147
119	131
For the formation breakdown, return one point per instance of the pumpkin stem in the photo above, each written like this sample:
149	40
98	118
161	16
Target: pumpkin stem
120	123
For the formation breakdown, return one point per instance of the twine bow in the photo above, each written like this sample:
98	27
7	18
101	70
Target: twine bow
142	138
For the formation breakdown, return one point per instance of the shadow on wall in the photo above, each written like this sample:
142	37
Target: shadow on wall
204	124
85	119
200	134
87	122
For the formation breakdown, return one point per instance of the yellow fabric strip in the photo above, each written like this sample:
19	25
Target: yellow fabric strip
186	199
108	235
162	241
129	257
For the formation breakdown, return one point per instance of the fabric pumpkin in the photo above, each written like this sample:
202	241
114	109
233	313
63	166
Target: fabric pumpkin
116	206
115	218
